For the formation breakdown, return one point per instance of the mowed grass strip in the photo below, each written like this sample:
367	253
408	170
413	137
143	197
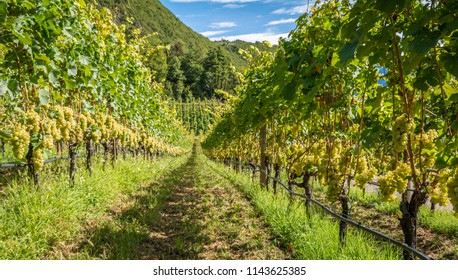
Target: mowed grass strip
53	222
207	218
314	238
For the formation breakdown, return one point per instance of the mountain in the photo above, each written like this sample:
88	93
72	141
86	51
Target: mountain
152	17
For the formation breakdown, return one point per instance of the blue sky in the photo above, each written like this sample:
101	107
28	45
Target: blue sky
248	20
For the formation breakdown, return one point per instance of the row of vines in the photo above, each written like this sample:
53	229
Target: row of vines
197	116
361	91
69	76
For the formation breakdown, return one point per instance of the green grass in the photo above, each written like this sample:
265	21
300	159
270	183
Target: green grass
46	222
314	238
440	221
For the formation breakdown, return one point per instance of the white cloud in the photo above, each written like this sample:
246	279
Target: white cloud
213	33
233	6
281	21
254	37
291	11
224	24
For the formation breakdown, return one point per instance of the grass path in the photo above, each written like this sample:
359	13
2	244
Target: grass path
188	212
206	218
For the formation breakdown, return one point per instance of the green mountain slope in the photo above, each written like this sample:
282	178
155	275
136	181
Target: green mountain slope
151	16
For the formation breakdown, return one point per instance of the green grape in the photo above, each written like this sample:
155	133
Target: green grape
37	159
394	181
401	128
48	143
20	141
428	152
452	187
33	121
363	173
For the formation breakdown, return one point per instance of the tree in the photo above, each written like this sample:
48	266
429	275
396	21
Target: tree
175	77
218	73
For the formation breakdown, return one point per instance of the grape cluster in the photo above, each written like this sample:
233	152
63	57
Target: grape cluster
402	127
20	141
452	187
37	159
394	181
335	182
363	173
428	151
437	190
296	152
33	121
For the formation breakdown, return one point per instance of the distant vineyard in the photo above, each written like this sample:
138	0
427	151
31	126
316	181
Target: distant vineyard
197	116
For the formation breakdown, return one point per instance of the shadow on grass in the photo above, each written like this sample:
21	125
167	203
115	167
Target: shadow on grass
161	224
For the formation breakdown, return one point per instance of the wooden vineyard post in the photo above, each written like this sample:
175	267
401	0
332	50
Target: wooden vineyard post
72	155
89	152
345	202
33	174
308	193
105	154
277	177
3	147
263	144
268	170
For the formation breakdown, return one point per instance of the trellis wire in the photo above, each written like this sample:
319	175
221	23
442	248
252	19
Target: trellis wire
358	225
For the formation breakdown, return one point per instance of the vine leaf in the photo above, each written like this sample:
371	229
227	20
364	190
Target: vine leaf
424	41
3	87
289	91
72	70
43	95
389	6
5	135
3	11
450	62
347	52
53	74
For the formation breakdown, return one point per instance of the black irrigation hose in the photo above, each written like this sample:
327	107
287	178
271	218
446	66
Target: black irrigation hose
358	225
12	165
20	165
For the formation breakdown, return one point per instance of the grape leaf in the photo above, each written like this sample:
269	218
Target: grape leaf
289	91
3	11
347	52
72	70
389	6
43	95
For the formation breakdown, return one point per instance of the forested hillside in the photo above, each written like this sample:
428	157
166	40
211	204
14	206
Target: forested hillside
151	16
190	65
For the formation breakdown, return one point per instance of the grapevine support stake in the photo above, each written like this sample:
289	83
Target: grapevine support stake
269	170
263	144
253	168
73	156
114	152
3	148
276	178
105	154
89	152
32	172
345	202
308	192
